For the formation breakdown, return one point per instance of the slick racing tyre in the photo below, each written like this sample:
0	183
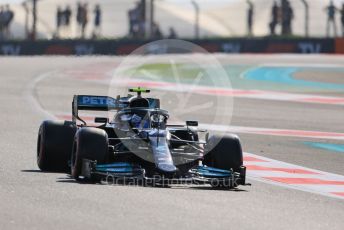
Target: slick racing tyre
54	145
91	144
224	152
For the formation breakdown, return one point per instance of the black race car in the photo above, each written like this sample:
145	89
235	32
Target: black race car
138	145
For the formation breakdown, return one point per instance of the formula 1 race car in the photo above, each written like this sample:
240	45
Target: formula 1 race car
138	145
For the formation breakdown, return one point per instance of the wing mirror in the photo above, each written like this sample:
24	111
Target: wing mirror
103	120
191	123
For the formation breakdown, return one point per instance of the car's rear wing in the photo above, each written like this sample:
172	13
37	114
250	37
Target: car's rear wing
95	103
103	103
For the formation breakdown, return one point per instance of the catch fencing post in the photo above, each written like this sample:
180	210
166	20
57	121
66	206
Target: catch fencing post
196	6
306	17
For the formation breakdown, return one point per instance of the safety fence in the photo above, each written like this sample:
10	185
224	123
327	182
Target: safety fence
125	47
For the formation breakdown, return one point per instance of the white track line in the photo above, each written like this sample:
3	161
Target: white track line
31	97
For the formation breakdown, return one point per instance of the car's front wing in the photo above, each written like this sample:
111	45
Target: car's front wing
127	173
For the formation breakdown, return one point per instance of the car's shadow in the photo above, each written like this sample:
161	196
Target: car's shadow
207	188
177	187
38	171
69	179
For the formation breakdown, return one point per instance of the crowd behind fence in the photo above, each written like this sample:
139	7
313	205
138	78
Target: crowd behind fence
86	16
65	15
282	15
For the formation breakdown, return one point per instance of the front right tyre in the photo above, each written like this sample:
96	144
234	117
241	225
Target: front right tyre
91	144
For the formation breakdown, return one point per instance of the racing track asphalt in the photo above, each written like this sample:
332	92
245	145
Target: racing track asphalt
34	200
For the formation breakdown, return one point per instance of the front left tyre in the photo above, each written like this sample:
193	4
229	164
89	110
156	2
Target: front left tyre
54	145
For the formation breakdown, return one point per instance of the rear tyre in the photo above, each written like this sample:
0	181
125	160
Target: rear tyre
54	145
224	152
91	144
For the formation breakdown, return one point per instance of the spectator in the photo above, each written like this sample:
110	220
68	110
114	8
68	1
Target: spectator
137	21
8	16
97	21
157	34
67	14
84	19
274	18
173	34
250	13
331	19
284	17
342	19
287	17
78	17
59	18
132	19
141	20
26	9
2	22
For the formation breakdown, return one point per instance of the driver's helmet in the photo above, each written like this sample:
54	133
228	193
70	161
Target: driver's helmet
135	121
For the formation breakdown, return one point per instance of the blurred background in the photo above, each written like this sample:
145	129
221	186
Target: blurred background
152	19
